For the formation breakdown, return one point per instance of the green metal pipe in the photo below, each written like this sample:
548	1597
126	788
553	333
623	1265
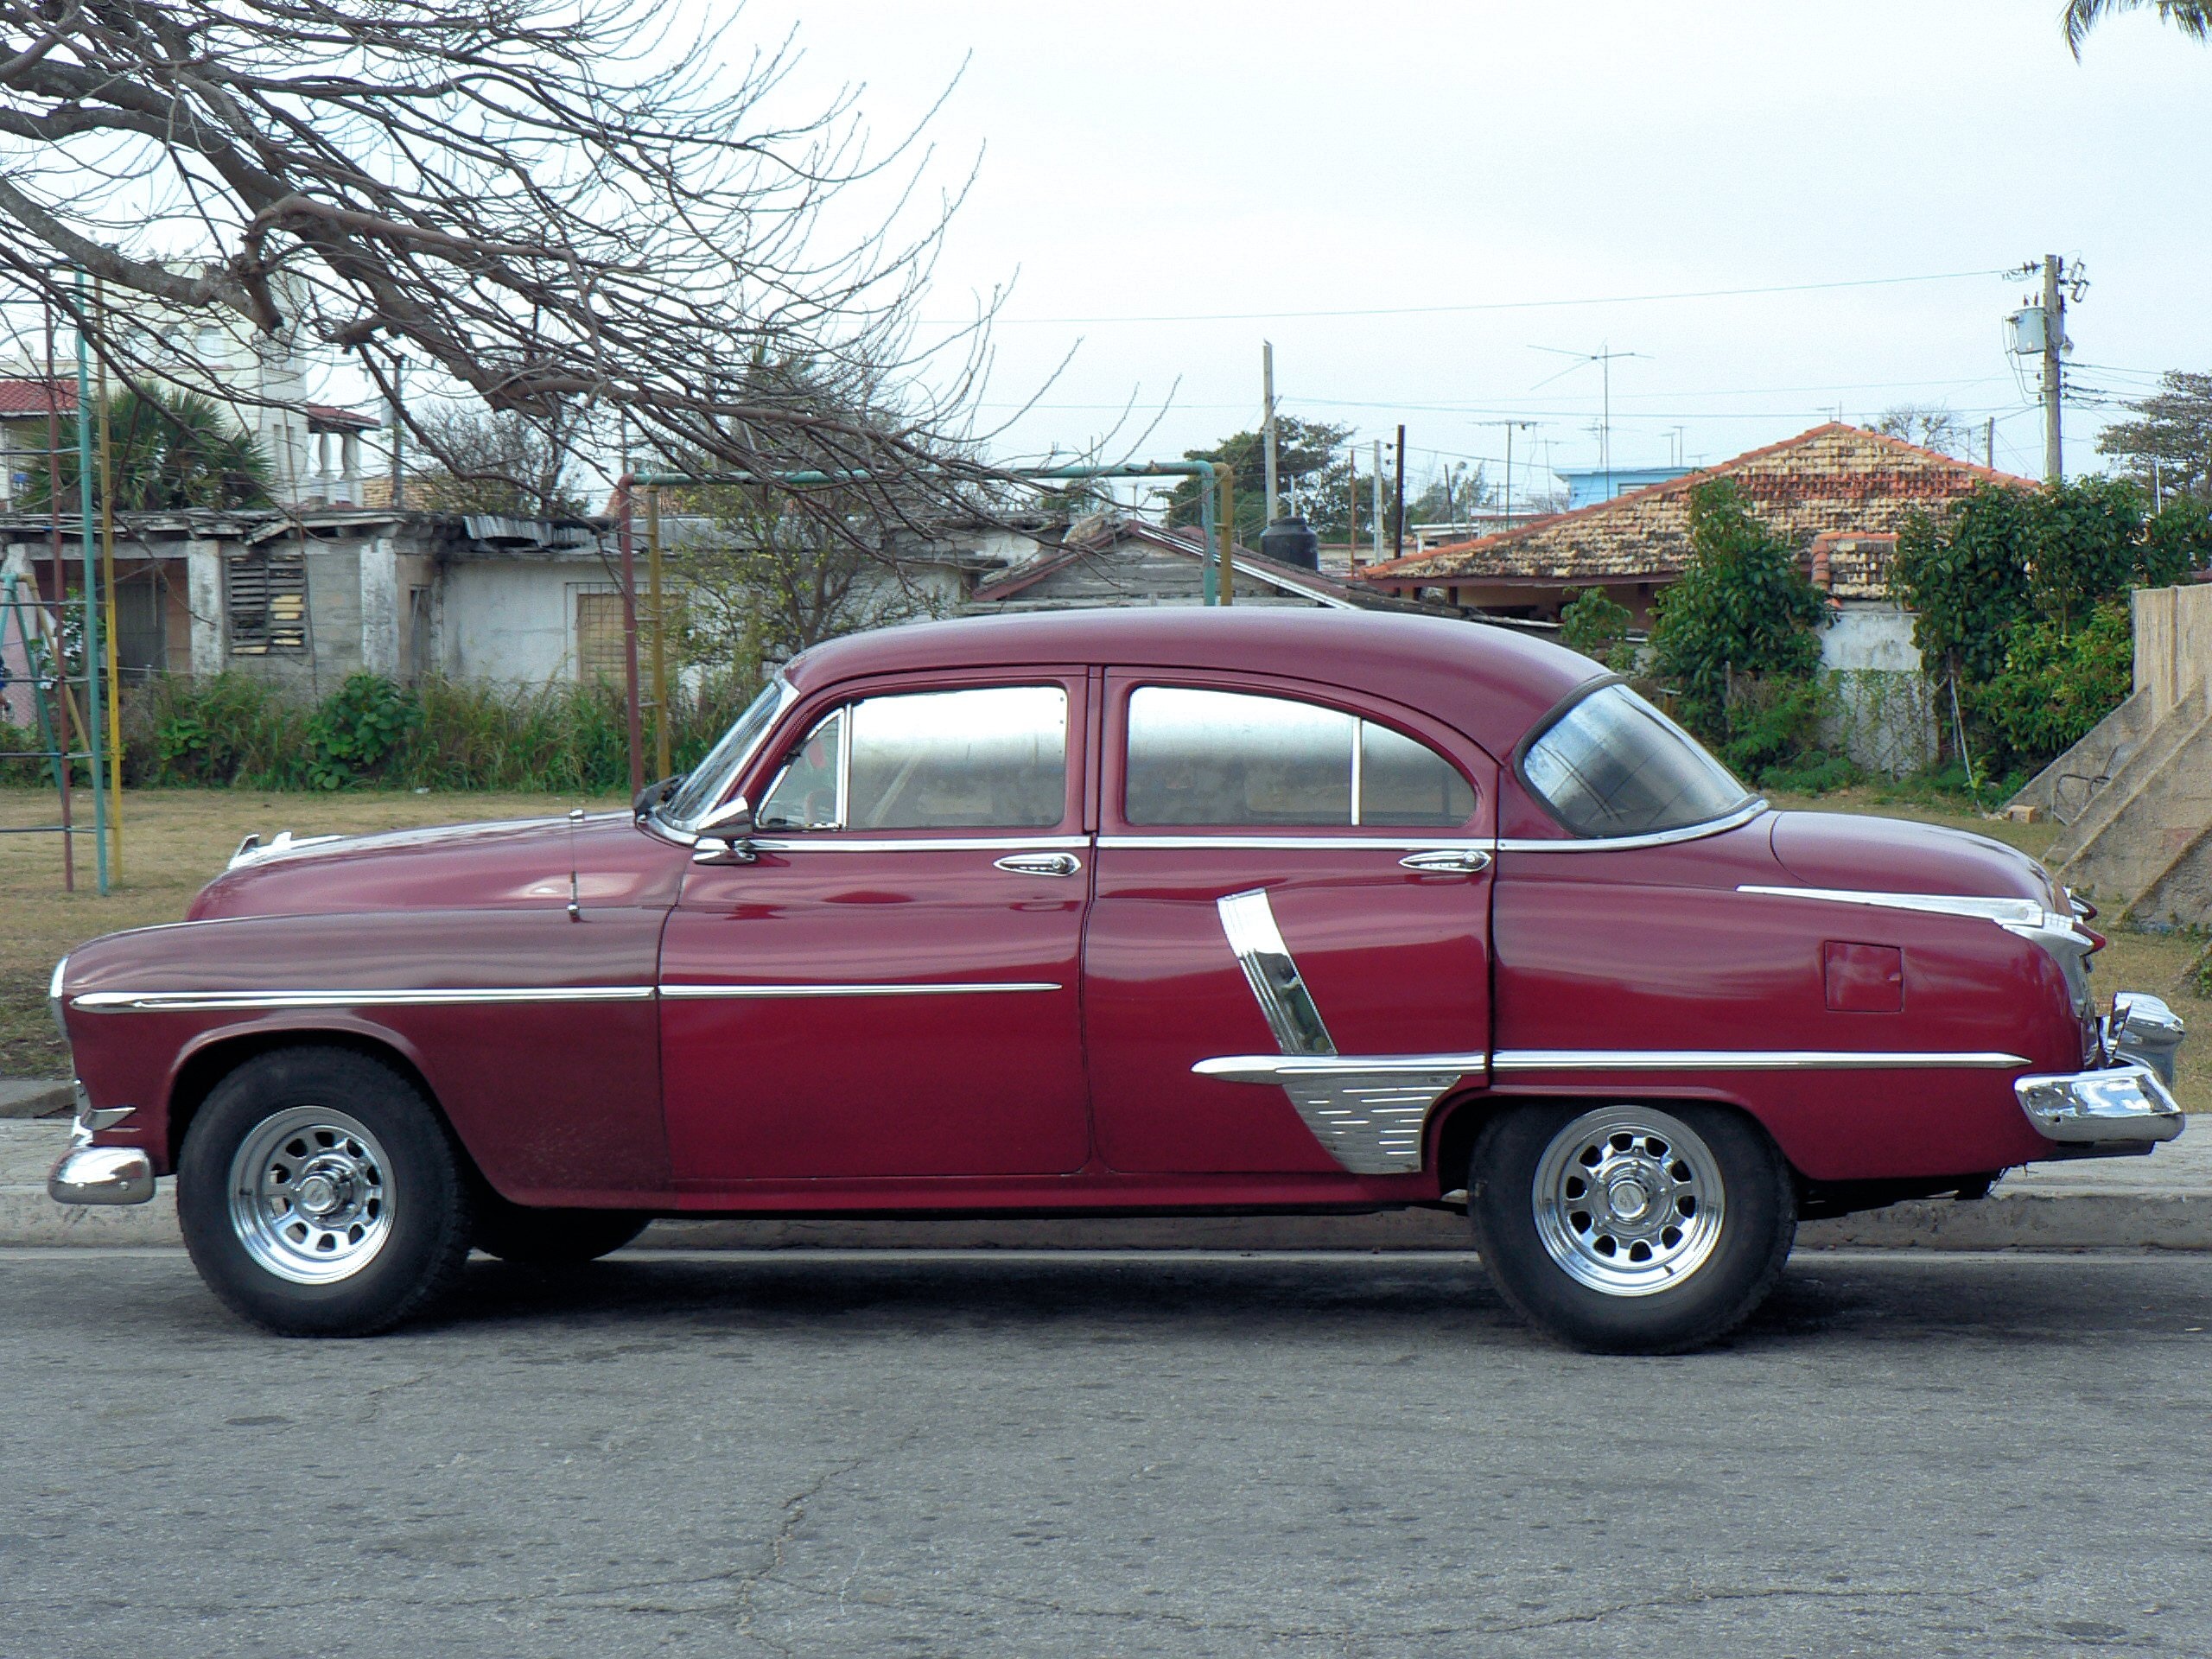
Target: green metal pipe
1214	510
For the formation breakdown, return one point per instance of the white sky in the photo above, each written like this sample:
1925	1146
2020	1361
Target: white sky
1142	160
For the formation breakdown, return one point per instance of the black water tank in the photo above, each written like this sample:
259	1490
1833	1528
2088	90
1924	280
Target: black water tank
1293	542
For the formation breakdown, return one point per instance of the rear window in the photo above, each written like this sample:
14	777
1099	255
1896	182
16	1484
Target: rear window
1613	765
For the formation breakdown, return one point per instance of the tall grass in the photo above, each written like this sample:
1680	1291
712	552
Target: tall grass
230	730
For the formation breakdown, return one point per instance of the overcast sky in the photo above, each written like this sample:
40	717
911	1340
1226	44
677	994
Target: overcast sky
1205	162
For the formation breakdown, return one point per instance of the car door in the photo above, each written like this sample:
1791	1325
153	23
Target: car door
890	987
1287	958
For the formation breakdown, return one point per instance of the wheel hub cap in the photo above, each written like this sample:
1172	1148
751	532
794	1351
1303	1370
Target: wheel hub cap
311	1195
1628	1200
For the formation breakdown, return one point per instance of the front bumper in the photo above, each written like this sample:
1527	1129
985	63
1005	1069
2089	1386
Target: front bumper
91	1174
102	1175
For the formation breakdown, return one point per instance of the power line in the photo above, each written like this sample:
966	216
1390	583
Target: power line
1487	305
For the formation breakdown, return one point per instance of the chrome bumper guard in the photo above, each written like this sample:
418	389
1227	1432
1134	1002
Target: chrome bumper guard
91	1174
2127	1100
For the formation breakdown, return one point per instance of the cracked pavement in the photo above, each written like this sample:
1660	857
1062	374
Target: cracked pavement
996	1453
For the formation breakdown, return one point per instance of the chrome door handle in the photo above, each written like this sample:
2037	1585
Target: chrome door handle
1464	861
1039	863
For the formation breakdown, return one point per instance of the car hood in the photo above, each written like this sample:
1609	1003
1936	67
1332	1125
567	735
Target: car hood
523	863
1843	851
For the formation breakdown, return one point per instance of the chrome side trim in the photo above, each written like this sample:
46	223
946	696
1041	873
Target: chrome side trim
251	851
823	844
1350	840
1742	1059
1368	1110
1275	1068
2058	934
1249	920
254	1001
1936	904
1735	820
719	993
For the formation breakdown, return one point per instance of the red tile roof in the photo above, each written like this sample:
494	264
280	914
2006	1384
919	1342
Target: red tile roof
24	396
330	414
1836	480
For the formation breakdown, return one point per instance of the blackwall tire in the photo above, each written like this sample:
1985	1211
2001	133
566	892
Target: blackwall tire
551	1238
1631	1228
320	1194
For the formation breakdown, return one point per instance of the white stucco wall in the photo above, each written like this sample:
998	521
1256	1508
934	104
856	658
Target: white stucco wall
514	622
1870	635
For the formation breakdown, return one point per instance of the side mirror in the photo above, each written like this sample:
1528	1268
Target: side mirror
725	835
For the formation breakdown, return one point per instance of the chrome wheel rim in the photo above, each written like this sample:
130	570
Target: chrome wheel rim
1629	1201
311	1195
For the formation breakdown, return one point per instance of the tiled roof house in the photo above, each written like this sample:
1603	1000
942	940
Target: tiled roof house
1840	492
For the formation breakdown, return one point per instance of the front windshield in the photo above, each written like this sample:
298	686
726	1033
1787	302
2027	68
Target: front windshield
1613	765
710	780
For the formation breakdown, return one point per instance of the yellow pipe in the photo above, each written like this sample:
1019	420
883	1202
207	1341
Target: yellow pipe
1227	474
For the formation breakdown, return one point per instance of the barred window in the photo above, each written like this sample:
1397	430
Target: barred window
265	602
598	637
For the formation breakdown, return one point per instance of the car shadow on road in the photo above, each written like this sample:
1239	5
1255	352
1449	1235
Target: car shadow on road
1979	1300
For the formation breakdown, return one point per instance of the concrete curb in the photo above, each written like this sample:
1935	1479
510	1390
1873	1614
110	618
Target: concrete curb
2164	1202
35	1097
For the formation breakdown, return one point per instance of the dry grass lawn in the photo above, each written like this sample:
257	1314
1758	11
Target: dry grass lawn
176	840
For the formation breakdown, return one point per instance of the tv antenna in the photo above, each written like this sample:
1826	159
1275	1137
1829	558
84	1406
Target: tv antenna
1603	357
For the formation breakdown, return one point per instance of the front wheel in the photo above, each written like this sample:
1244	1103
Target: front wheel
1628	1229
321	1195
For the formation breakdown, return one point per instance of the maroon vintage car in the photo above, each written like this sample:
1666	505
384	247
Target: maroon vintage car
1115	912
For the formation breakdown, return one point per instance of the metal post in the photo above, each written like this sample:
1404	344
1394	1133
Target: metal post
1208	524
634	725
1268	428
93	657
65	711
1351	504
107	577
1375	529
1398	516
1225	477
2054	334
662	746
1507	499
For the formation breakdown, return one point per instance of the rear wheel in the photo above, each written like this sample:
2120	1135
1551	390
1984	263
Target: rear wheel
1629	1228
552	1238
320	1194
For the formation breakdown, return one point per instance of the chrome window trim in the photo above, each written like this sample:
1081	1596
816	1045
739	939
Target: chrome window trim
1733	820
718	993
1344	840
787	694
917	843
250	1000
1732	1059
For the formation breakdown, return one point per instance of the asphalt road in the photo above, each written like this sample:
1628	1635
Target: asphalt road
1107	1455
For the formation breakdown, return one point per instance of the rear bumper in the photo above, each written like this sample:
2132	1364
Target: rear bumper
2113	1105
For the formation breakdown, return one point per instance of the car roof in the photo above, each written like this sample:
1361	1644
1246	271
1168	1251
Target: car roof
1489	681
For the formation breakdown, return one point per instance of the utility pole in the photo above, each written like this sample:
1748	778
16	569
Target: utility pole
1268	428
2054	335
1989	443
1351	504
1505	496
398	390
1374	528
1398	517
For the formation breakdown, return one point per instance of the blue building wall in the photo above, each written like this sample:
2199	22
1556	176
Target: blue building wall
1586	485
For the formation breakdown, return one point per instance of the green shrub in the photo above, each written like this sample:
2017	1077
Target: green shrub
1814	772
1593	623
2056	685
564	737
